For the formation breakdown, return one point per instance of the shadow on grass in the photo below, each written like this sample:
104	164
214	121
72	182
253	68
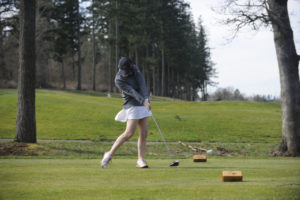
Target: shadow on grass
90	150
73	152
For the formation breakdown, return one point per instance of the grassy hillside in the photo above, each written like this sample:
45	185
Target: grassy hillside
85	115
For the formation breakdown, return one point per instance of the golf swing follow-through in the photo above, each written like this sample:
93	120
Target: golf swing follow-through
136	111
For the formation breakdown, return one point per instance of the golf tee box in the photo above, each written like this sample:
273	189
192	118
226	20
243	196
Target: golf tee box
228	176
199	158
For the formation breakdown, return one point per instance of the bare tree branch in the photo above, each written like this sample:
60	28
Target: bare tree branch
244	13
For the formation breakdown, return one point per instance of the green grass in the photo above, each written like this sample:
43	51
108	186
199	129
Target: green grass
70	170
70	149
83	179
90	115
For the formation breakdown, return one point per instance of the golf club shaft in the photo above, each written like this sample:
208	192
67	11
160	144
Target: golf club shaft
162	136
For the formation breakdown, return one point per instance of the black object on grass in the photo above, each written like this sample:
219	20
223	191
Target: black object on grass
174	163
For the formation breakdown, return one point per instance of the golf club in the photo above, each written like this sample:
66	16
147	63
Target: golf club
175	162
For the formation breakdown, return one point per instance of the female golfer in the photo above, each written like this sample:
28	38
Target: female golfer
136	110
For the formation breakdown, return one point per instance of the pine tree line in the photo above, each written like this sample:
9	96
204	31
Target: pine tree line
159	36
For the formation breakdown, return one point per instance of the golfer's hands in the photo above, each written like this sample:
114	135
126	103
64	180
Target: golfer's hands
147	104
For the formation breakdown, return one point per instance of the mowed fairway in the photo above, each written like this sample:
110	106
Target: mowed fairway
64	169
84	179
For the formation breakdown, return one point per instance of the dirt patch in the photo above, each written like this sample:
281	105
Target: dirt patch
277	153
222	151
219	151
20	149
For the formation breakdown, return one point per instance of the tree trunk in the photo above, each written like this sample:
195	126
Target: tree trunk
288	62
168	81
163	70
176	89
158	79
73	65
26	124
148	75
153	73
63	71
117	37
146	70
79	48
204	91
110	56
2	64
171	86
117	40
153	81
110	69
179	89
94	48
145	64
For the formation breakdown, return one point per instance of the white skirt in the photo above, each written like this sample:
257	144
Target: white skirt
135	112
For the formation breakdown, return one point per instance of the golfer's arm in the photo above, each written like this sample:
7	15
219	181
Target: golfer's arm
127	89
142	84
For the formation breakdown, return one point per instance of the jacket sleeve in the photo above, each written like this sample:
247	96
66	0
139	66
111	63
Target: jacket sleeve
141	81
127	89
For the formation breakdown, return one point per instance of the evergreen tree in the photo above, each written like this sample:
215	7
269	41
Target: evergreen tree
206	70
159	36
9	34
65	36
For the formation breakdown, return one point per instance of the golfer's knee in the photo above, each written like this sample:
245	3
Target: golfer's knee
144	134
127	135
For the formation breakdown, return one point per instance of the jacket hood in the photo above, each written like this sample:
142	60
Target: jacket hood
125	63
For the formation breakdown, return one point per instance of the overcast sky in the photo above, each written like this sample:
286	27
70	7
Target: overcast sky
249	62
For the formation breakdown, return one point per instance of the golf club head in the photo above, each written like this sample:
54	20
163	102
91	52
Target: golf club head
174	163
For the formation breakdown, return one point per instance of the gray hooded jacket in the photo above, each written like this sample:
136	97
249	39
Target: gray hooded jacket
134	91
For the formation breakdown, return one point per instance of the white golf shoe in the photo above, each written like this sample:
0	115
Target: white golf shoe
141	164
106	159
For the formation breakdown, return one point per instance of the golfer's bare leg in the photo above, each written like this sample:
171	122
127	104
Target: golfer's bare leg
129	132
143	132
